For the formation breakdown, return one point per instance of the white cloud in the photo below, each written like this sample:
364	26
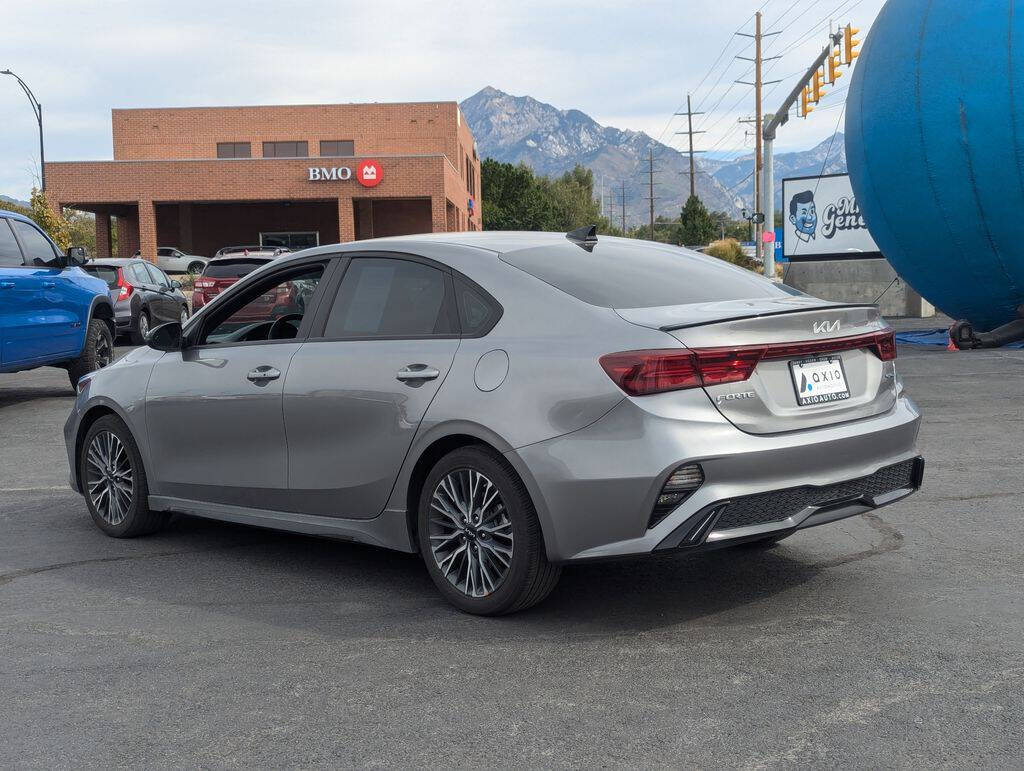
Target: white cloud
625	64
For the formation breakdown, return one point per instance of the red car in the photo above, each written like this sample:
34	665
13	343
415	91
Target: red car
220	273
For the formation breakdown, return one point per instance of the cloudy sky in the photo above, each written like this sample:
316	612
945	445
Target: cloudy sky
626	64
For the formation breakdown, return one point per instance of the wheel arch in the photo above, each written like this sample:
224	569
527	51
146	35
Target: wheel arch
89	417
102	309
439	442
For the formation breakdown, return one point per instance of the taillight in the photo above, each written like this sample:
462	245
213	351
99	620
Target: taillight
640	373
204	283
649	372
124	288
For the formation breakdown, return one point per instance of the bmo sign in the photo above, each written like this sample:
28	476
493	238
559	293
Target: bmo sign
368	173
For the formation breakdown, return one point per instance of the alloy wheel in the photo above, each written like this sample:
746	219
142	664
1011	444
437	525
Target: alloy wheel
143	326
104	352
109	477
184	316
470	532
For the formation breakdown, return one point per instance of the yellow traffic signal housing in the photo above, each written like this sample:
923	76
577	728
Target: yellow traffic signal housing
833	67
805	97
850	44
816	87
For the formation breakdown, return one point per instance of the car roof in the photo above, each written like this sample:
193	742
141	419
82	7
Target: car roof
237	257
16	216
118	261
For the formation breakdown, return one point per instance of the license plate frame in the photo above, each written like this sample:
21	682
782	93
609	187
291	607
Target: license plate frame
797	370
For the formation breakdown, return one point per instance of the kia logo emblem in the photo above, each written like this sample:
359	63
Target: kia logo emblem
821	327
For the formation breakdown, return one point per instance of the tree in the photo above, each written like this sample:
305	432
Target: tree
55	226
696	227
514	198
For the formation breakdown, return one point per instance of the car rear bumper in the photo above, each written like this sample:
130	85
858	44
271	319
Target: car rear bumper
596	488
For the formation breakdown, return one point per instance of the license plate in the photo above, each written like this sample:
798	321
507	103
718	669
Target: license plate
819	381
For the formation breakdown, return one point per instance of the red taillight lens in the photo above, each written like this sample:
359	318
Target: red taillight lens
649	372
124	288
885	345
639	373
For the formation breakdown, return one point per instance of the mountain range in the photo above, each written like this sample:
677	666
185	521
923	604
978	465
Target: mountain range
520	129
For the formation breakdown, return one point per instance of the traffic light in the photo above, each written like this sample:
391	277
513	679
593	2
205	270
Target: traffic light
805	98
850	44
816	87
833	67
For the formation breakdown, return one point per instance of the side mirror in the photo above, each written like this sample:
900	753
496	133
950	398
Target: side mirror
76	256
175	284
166	337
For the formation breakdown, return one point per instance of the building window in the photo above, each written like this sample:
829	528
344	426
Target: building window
285	149
337	148
470	177
234	150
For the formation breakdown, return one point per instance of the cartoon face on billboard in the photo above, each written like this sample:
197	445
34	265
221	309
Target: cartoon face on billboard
803	215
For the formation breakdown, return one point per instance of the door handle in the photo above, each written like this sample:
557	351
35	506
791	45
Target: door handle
263	374
6	285
49	284
415	372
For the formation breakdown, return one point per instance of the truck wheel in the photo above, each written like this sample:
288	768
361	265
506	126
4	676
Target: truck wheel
97	354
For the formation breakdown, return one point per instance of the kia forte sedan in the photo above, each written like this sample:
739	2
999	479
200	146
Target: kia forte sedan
502	404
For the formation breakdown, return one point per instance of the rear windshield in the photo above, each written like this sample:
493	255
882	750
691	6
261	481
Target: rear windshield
617	275
105	272
232	268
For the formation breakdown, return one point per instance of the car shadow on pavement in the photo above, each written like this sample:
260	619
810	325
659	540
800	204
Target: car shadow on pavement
342	590
13	396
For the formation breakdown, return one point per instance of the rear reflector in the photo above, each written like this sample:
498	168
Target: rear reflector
640	373
679	486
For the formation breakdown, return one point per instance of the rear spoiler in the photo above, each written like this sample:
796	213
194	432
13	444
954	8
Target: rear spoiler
764	314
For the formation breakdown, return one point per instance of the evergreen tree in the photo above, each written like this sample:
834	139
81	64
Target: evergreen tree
696	226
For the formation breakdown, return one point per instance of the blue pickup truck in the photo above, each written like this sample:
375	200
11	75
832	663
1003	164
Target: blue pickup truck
52	313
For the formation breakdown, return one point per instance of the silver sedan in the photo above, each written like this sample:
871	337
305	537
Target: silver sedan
503	404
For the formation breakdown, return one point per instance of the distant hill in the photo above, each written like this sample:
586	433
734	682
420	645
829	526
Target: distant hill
15	201
518	129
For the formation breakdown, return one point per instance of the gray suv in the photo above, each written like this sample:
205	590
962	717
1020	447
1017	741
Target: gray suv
503	404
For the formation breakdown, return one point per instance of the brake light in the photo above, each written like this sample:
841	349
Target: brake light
125	289
639	373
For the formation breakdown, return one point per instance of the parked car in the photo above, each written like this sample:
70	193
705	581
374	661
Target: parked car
222	272
51	312
251	251
144	296
503	404
172	260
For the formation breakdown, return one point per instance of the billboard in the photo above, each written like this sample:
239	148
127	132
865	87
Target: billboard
821	220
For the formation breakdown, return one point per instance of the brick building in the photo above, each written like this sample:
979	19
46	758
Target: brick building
200	178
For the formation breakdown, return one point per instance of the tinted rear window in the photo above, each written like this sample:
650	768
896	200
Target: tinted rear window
232	268
105	272
621	275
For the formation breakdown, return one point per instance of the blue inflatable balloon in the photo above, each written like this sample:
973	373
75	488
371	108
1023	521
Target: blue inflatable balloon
935	147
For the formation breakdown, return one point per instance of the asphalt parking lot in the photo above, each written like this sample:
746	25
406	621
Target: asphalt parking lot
886	640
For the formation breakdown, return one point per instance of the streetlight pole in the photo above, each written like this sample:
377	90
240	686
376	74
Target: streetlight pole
37	109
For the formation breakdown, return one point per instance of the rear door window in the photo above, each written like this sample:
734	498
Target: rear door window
105	272
618	275
10	254
37	246
392	298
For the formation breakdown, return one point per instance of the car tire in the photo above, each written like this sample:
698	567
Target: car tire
195	268
141	329
499	563
183	316
97	353
108	462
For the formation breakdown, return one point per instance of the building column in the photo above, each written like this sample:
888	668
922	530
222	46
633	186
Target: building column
147	230
438	214
346	221
127	235
103	235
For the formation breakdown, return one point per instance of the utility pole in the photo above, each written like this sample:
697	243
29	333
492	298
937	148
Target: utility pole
690	132
623	208
611	207
650	186
758	85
